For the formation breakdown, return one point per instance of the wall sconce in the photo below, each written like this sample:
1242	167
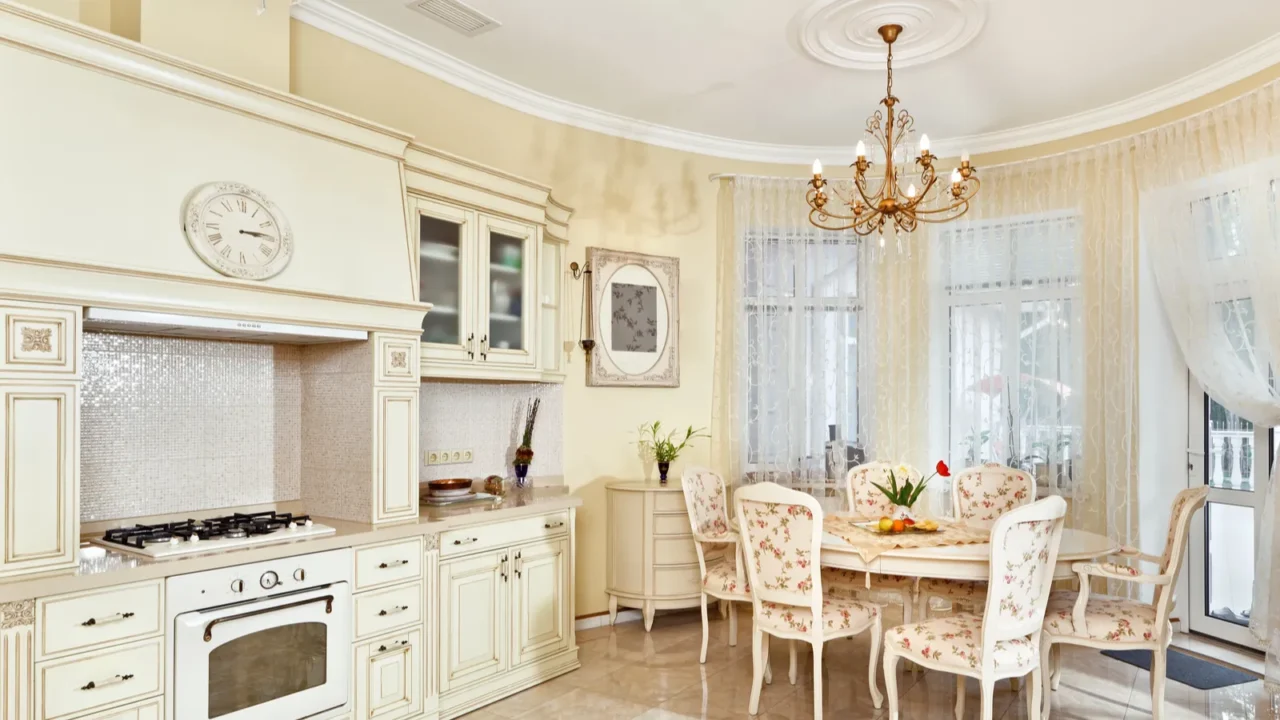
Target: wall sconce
584	320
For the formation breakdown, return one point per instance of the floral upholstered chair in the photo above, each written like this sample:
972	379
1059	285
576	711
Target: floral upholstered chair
1003	642
866	500
719	553
782	542
1111	623
980	496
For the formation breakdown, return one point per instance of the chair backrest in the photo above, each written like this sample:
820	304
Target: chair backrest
980	495
782	542
707	502
865	499
1024	554
1185	505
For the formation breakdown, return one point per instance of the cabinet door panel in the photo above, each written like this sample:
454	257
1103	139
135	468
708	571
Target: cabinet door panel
509	264
389	675
38	524
475	635
396	453
540	622
446	279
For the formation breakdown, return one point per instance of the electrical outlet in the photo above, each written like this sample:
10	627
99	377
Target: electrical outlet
448	457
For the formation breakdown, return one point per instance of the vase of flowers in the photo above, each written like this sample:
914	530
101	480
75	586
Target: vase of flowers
904	496
666	447
524	453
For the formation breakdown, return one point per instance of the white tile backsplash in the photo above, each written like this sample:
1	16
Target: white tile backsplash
171	425
488	419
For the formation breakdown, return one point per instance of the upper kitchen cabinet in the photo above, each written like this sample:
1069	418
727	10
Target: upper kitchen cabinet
490	247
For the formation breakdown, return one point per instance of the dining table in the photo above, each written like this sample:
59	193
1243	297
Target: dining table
865	551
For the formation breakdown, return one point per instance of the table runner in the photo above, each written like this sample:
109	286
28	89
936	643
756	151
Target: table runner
871	545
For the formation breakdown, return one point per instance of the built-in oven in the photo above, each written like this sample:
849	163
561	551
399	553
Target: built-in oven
264	641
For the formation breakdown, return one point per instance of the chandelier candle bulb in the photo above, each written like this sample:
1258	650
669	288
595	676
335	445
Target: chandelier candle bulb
861	150
955	176
817	168
924	144
964	157
911	190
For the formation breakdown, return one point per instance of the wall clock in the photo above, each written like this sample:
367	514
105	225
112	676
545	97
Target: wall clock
237	231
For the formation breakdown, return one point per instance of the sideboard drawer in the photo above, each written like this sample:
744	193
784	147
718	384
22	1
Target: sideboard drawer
677	550
100	680
384	610
677	580
671	524
379	565
669	502
152	709
40	338
505	534
98	618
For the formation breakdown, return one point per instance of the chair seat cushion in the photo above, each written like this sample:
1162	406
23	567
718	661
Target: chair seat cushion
1106	618
956	641
840	615
722	579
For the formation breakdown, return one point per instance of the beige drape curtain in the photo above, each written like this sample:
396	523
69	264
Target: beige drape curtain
726	438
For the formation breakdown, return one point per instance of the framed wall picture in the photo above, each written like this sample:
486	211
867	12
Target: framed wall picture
635	319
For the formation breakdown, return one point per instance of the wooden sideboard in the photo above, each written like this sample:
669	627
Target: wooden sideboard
652	561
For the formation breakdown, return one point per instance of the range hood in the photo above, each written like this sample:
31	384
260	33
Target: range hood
194	326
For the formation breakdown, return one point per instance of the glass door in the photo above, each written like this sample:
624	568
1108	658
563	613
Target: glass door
446	255
509	262
1232	457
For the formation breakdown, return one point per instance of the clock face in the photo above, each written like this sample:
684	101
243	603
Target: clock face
237	231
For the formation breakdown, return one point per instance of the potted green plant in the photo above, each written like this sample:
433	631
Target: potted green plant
666	447
524	453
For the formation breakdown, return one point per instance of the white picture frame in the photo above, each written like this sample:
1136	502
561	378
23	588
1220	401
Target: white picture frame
635	319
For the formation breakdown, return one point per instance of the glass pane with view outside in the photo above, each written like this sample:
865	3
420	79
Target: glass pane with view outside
439	279
1048	432
506	292
1229	529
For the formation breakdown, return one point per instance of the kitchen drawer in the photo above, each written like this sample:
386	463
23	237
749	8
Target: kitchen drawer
152	709
677	580
98	618
499	535
380	565
388	677
83	683
669	502
671	524
381	611
40	338
676	550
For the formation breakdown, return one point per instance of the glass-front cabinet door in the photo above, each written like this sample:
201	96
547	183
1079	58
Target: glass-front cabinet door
508	264
446	272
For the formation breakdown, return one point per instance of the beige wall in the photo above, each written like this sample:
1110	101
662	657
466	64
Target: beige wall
227	35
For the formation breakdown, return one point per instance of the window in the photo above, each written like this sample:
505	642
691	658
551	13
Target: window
1008	346
800	360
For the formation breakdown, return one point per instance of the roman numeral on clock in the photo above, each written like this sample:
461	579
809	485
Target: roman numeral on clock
265	250
215	238
226	251
244	206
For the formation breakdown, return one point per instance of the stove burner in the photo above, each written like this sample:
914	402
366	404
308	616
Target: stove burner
239	525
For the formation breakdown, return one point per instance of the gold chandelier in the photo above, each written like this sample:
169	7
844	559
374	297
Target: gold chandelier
872	205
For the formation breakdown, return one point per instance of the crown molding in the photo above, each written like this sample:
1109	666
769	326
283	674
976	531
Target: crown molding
329	16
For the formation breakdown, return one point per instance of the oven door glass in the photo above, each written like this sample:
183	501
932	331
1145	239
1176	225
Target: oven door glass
283	657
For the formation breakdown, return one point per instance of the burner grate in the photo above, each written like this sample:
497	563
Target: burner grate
238	525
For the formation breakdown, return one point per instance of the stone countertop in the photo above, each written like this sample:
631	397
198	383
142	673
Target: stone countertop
118	567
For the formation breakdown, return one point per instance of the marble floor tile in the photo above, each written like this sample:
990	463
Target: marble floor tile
628	674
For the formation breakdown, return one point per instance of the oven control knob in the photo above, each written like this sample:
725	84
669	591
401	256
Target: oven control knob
299	574
237	586
270	580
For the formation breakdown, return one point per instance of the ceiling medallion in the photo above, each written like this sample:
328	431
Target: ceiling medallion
845	33
872	204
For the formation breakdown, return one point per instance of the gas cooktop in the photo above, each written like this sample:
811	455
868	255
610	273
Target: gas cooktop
220	533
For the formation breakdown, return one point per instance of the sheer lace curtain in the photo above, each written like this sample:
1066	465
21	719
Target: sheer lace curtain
1032	359
791	357
1212	219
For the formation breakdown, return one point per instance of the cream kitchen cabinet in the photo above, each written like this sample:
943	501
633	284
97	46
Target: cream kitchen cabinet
391	621
506	612
490	249
389	676
652	563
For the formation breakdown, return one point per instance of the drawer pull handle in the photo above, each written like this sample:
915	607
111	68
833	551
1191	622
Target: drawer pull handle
466	541
556	524
393	610
393	563
398	643
113	680
91	622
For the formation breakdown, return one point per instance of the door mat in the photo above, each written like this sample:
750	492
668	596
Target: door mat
1186	669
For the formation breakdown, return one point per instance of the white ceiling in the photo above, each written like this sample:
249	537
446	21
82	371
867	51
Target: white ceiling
733	77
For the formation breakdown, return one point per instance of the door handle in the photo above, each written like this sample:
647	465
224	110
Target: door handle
466	541
471	345
91	622
504	568
328	609
393	563
519	563
113	680
392	610
394	645
484	348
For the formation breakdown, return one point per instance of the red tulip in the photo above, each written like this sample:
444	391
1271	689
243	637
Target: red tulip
943	470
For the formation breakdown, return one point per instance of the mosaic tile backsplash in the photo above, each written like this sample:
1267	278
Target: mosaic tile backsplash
172	425
488	418
337	430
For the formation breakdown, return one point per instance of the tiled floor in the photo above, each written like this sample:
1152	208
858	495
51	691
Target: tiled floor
628	674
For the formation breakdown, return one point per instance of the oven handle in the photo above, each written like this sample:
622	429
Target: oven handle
326	599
